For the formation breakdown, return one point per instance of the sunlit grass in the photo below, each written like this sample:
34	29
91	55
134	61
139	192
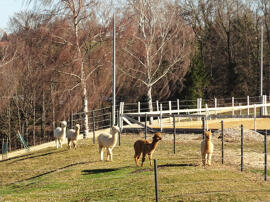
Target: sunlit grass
78	175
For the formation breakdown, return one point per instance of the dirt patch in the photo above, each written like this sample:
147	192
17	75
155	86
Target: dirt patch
234	134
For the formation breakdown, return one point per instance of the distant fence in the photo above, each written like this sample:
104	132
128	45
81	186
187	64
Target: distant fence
102	118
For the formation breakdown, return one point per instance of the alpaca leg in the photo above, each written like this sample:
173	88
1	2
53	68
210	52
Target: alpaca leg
209	158
75	144
101	153
136	157
110	154
203	159
56	142
60	143
150	159
68	144
143	158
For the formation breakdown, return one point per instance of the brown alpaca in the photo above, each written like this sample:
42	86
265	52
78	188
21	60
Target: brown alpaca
145	147
207	148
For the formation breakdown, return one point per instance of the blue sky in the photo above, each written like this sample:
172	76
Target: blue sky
7	9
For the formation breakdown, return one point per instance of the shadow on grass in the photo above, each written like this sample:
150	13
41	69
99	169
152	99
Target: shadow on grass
49	172
96	171
31	156
178	165
104	170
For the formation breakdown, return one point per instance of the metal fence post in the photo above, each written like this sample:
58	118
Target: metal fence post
174	133
145	128
265	156
156	180
222	143
242	151
94	127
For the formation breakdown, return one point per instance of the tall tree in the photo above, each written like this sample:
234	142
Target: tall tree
160	43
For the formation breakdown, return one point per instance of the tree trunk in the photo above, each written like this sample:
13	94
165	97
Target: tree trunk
43	116
150	105
85	110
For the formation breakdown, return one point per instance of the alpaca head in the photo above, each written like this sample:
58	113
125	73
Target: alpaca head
77	126
207	134
115	129
63	124
157	137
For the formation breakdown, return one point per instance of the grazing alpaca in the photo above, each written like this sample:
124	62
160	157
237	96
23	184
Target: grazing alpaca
145	147
59	133
108	141
207	148
72	136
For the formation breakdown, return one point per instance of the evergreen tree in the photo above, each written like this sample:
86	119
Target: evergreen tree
196	80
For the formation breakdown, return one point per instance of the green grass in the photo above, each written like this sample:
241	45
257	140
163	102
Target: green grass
78	175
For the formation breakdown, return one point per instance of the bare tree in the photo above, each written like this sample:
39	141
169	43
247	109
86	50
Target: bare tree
160	43
77	13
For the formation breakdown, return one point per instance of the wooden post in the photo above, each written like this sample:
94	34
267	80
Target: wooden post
178	108
174	133
233	106
94	127
139	111
203	127
160	117
248	105
170	109
145	127
255	117
222	143
71	120
158	110
265	155
206	116
240	110
156	180
216	106
242	150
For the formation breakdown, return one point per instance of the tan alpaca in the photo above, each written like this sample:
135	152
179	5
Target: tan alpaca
145	147
207	148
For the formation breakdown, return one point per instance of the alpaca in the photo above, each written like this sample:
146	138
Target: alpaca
59	133
108	141
145	147
207	148
72	136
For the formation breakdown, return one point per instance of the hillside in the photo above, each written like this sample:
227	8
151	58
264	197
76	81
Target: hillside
69	175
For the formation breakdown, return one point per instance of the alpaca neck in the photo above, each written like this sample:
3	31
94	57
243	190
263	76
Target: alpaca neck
207	143
154	145
77	132
64	132
114	139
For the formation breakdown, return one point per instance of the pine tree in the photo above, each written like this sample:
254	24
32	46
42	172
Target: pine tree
196	80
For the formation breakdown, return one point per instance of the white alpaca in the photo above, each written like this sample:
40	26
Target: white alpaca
59	133
108	141
72	136
207	148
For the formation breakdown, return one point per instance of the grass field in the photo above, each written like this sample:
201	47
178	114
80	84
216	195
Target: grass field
78	175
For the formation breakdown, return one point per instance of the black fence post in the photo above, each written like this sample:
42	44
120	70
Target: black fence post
242	155
156	180
94	127
222	143
265	156
203	127
145	129
174	133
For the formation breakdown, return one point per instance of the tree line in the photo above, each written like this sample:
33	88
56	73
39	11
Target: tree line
57	57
